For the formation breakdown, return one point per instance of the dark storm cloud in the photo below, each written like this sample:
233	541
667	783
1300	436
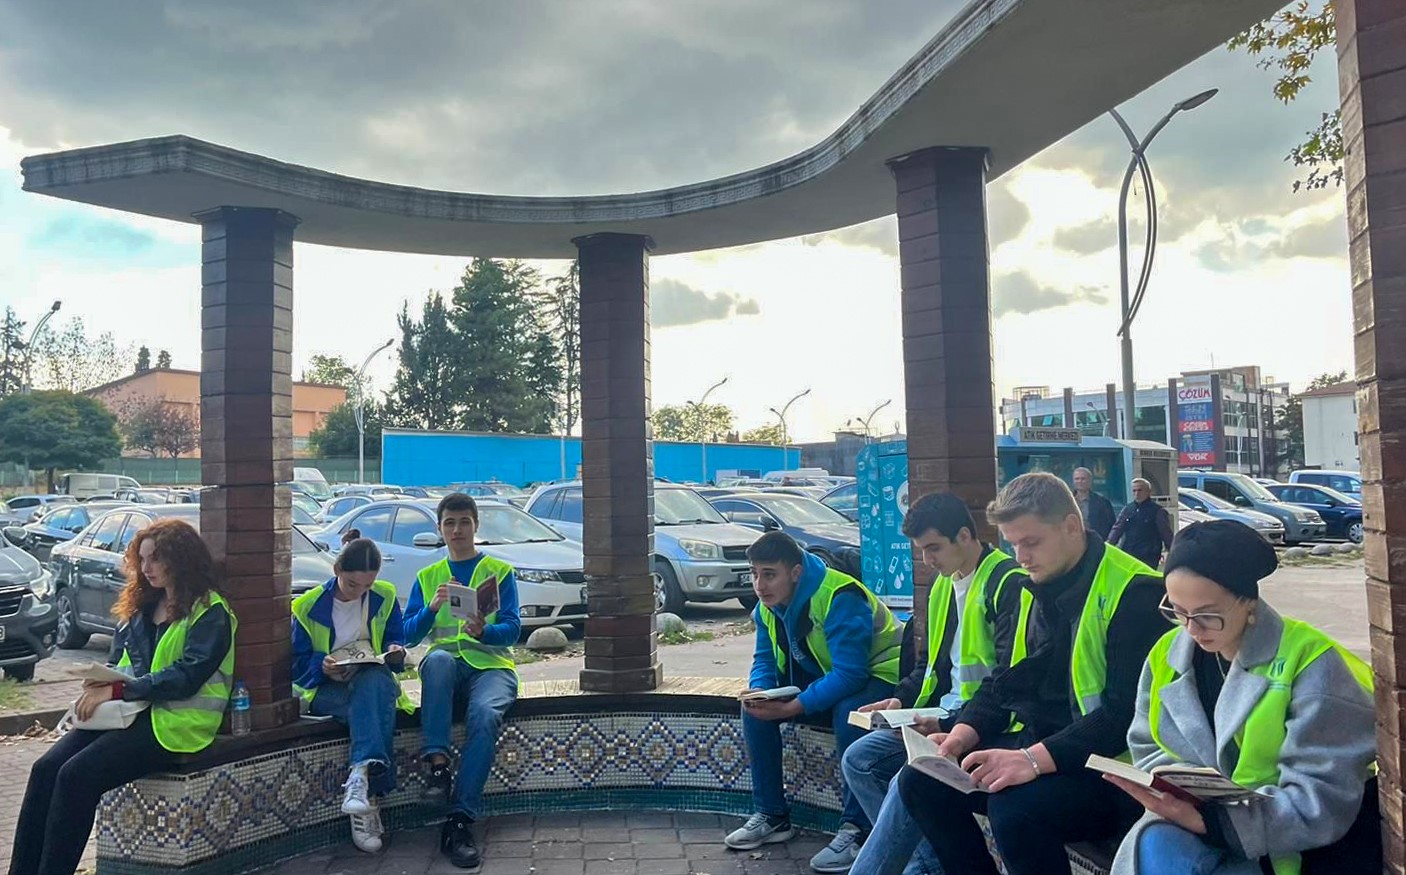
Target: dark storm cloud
672	303
1021	293
1089	238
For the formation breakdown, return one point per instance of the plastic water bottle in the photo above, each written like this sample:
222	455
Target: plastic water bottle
239	709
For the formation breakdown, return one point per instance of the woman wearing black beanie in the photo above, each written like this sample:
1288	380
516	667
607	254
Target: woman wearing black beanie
1269	701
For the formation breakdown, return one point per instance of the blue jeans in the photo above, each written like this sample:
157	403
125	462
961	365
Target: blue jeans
896	844
487	694
763	738
1167	849
366	703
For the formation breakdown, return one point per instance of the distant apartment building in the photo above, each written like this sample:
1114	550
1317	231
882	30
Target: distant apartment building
1330	428
181	390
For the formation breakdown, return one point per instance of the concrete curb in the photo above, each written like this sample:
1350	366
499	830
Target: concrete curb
16	724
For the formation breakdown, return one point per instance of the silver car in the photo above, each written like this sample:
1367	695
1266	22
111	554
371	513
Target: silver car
1218	508
548	567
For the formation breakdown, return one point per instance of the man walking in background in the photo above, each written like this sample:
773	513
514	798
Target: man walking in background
1097	510
1144	528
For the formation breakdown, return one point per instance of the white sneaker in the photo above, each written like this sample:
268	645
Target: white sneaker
366	831
355	801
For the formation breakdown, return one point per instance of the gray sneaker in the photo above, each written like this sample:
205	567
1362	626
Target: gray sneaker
839	855
760	829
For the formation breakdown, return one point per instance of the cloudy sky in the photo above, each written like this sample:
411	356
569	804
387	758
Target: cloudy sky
618	95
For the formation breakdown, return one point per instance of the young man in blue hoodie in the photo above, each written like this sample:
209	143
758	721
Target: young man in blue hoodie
468	661
824	632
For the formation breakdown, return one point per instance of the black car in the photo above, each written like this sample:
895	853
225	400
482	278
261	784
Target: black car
844	500
88	570
815	527
1342	513
63	524
28	623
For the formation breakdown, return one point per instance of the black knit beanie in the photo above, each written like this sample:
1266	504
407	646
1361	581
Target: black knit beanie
1230	553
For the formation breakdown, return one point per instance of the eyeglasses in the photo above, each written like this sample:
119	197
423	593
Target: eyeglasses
1204	622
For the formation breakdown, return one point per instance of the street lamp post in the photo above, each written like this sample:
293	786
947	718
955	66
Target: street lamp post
870	418
702	437
361	411
1131	302
781	415
29	346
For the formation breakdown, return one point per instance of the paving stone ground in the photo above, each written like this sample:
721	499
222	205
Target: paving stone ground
17	754
591	843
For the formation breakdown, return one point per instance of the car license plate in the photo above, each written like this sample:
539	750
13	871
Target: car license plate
745	578
583	595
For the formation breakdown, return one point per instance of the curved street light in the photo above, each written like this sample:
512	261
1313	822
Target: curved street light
702	437
29	346
361	408
1131	302
781	415
866	420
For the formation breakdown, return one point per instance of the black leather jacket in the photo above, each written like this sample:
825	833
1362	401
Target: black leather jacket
207	642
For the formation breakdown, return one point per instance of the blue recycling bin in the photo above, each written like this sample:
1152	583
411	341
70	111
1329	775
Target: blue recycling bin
881	472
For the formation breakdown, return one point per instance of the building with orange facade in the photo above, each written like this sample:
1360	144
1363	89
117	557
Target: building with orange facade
181	391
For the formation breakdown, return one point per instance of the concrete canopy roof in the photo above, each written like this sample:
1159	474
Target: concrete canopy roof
1010	75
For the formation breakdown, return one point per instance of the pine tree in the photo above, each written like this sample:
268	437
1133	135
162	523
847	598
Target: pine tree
163	360
425	393
143	360
12	354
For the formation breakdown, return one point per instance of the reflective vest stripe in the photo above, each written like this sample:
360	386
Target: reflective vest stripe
885	645
1262	736
447	633
322	635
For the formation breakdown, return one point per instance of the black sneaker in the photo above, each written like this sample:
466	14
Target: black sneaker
437	782
456	841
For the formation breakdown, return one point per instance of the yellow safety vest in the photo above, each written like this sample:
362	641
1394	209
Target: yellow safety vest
977	632
884	647
447	633
189	725
1089	660
322	635
1262	737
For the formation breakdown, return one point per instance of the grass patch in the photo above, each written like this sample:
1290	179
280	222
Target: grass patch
686	637
523	656
13	697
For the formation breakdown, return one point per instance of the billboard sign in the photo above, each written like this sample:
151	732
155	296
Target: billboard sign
1196	424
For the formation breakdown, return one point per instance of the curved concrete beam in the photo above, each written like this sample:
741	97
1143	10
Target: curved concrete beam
1010	75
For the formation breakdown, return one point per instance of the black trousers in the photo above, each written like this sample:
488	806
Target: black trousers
1031	823
65	786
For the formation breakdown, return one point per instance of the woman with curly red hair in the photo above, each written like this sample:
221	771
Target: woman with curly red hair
175	641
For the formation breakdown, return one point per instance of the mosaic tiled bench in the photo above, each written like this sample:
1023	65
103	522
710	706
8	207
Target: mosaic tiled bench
236	808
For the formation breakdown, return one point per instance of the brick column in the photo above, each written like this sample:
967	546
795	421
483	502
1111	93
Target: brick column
617	464
947	366
246	438
1372	80
1069	420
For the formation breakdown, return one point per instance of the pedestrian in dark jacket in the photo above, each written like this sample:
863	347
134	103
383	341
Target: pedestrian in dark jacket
175	640
1097	510
1095	619
1144	528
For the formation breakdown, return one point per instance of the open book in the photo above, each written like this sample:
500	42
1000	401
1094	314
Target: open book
96	671
923	756
779	694
1195	784
893	718
467	604
358	653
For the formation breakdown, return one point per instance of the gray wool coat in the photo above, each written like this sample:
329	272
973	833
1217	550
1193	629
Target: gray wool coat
1324	763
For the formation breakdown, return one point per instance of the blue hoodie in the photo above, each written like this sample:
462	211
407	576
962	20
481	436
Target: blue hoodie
849	633
307	661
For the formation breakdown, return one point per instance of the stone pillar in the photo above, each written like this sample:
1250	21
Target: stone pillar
1173	418
948	384
617	464
1110	399
246	438
1372	80
1069	420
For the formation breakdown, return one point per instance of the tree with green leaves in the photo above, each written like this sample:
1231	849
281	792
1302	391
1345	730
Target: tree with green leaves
163	360
338	436
426	393
763	434
12	353
1287	43
71	361
559	308
691	422
143	360
330	370
56	429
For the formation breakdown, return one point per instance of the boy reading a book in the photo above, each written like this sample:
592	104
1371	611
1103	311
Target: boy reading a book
469	662
976	622
1095	619
822	631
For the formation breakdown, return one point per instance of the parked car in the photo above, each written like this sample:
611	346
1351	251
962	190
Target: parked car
89	570
548	567
340	506
367	489
493	489
12	516
1186	516
698	555
844	500
309	505
1265	481
301	517
311	481
61	524
1349	483
1342	513
1218	508
32	507
415	491
84	485
712	492
1300	524
28	621
813	492
815	527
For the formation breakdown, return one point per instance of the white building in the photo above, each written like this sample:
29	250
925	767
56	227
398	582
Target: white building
1330	428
